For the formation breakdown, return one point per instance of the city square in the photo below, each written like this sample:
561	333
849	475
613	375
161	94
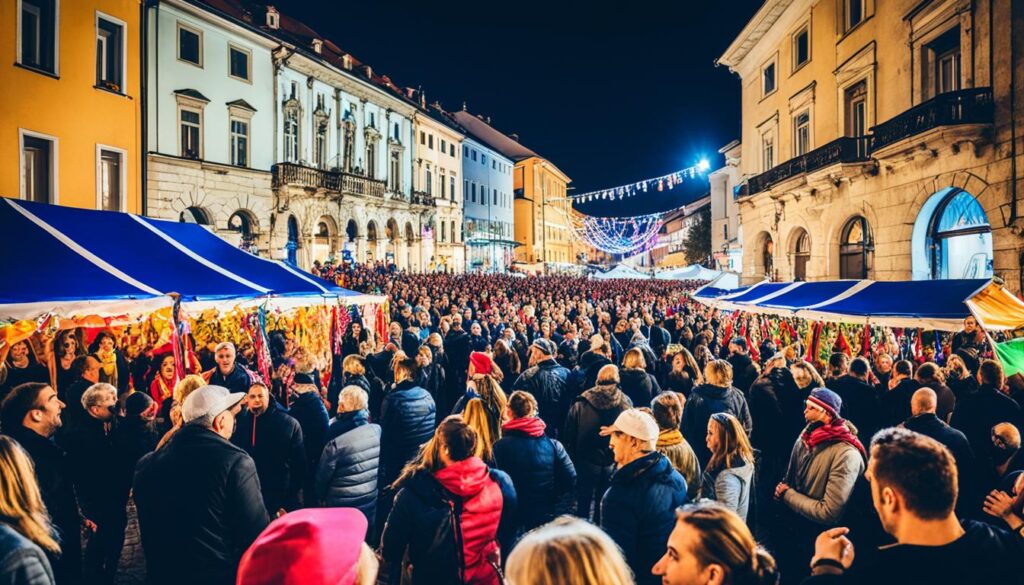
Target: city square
673	293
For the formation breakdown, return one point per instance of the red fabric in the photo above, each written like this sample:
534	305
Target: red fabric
161	391
831	433
470	480
315	546
481	362
841	345
531	425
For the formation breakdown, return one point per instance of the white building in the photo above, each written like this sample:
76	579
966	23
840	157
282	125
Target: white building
437	176
488	197
726	229
210	119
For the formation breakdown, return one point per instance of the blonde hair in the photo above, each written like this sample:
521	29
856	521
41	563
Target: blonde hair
476	417
354	364
21	505
567	551
186	386
723	539
634	360
718	373
733	443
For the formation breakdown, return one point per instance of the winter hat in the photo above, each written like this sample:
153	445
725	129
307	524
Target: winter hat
828	400
481	362
546	346
315	546
303	379
739	342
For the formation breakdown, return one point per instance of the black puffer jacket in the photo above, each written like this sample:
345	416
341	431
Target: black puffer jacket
708	399
199	506
406	421
541	471
274	441
585	374
594	409
547	381
347	474
743	371
640	386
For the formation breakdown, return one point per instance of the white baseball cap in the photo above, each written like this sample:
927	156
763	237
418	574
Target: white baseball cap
634	423
209	400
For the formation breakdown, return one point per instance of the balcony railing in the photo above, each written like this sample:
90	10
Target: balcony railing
422	198
967	106
843	150
338	182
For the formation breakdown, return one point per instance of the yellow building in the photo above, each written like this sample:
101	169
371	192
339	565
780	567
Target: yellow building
542	213
70	123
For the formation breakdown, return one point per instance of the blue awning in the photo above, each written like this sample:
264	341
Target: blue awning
66	260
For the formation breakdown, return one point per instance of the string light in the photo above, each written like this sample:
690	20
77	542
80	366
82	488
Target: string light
617	235
661	183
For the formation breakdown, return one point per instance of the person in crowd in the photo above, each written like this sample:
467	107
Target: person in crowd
199	537
824	466
589	450
307	407
638	510
113	365
540	469
484	384
959	378
347	473
711	544
860	400
313	547
895	401
431	375
507	360
684	373
476	417
457	349
354	373
924	405
1002	465
667	409
977	413
445	485
730	472
838	366
31	415
584	376
743	368
639	341
567	551
165	378
27	540
883	371
273	439
170	410
227	372
87	372
546	380
636	383
970	337
352	338
914	488
930	375
792	405
717	394
96	471
66	348
771	435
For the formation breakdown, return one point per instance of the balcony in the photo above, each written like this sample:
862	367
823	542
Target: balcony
422	198
333	181
843	150
967	106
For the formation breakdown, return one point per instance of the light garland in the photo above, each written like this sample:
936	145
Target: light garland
660	183
617	235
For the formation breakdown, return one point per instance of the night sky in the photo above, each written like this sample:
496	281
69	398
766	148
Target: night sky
608	96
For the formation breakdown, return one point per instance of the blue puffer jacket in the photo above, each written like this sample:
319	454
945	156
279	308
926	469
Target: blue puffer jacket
406	421
347	474
547	382
541	471
21	561
313	419
638	511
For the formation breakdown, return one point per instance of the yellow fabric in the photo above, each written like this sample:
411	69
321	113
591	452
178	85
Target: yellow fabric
997	309
669	438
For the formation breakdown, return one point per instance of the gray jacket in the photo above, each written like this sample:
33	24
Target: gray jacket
731	488
822	480
21	561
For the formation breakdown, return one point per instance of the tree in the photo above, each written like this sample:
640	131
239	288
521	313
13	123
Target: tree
697	244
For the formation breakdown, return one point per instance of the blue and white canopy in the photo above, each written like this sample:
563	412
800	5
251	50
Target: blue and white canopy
929	304
69	261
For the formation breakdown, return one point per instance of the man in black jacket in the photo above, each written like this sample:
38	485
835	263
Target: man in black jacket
198	497
228	372
895	402
87	368
274	441
743	370
914	494
924	404
977	413
546	380
31	414
860	402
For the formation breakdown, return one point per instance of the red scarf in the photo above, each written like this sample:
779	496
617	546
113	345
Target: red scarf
530	425
837	430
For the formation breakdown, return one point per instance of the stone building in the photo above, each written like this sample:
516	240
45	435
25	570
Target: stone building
726	230
437	173
880	139
669	251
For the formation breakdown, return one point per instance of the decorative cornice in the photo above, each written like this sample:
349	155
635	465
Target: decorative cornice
751	34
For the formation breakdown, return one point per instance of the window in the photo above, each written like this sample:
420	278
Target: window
801	133
430	142
396	171
191	134
960	238
854	13
801	255
444	146
429	182
371	159
291	135
109	54
856	109
451	185
472	191
423	137
725	232
348	150
37	167
443	196
190	45
768	79
945	53
767	151
396	132
320	142
465	151
451	150
474	155
239	63
801	47
373	120
38	43
494	164
442	231
109	180
854	249
239	143
495	198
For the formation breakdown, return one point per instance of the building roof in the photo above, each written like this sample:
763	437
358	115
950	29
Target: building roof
759	25
480	130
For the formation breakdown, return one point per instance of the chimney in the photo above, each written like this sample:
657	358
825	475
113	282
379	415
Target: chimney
318	46
368	70
273	18
410	93
346	62
423	99
514	136
463	105
488	120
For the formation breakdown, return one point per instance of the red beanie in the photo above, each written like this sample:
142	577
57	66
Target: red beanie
315	546
481	362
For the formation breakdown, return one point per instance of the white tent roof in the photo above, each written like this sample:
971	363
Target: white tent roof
622	271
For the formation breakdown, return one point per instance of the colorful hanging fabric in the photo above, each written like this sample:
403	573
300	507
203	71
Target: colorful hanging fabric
842	345
865	343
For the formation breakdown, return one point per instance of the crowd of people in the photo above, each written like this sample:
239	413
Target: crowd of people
529	431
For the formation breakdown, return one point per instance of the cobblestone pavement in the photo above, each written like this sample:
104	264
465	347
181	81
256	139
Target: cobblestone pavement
131	570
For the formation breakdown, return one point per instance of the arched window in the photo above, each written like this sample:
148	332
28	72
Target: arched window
960	238
855	246
194	215
240	222
801	255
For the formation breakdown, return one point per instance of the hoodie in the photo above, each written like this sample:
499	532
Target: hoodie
708	399
594	409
